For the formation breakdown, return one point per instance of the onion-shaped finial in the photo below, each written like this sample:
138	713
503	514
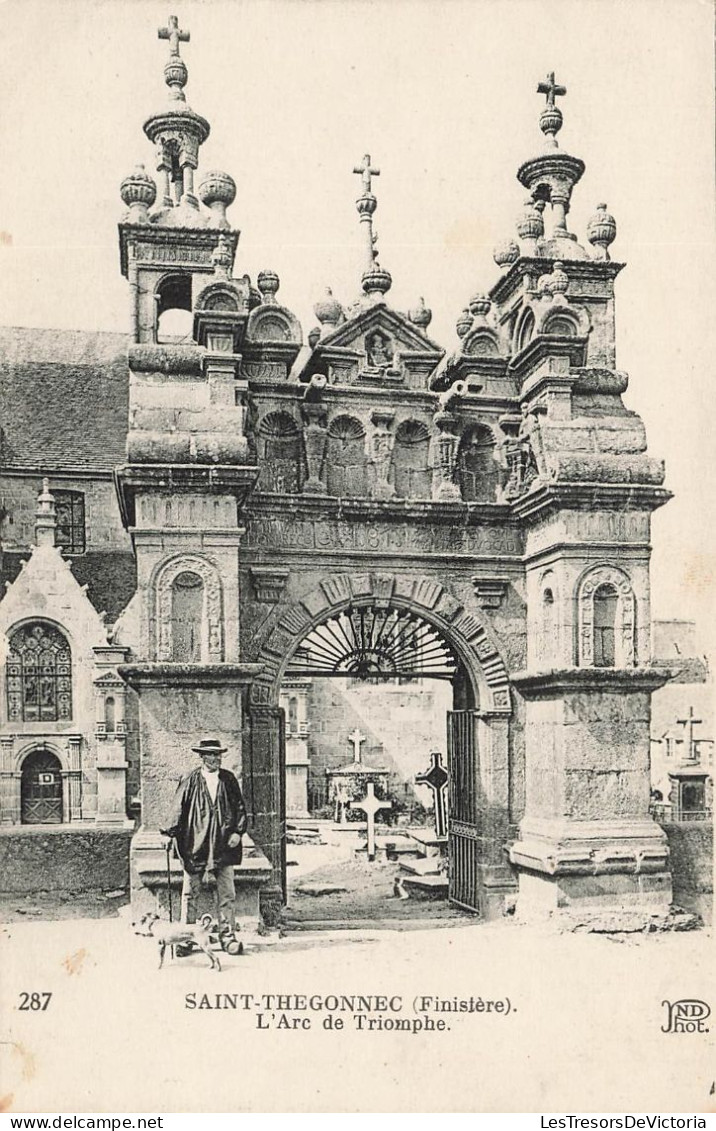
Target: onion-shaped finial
376	280
601	230
268	283
530	222
464	323
328	311
420	315
559	280
480	305
217	191
138	191
506	253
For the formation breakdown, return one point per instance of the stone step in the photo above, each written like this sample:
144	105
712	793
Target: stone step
422	866
397	846
425	887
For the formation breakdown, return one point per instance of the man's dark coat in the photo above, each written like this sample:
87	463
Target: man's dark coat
202	828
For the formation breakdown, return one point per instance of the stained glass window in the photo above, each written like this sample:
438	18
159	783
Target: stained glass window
39	675
70	519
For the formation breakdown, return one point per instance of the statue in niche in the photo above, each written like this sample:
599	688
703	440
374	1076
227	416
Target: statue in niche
379	350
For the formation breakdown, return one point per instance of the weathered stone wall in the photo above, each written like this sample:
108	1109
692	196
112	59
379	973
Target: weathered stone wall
103	526
587	756
401	724
691	847
172	720
57	860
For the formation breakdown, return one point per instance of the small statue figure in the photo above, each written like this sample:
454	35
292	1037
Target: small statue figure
379	350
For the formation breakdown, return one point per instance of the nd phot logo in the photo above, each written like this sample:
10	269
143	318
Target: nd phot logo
686	1016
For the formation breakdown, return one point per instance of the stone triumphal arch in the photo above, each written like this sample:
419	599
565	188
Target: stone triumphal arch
366	501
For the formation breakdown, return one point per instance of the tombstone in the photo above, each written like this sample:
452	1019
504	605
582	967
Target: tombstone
348	783
370	806
436	778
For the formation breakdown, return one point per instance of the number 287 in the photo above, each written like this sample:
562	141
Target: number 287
35	1002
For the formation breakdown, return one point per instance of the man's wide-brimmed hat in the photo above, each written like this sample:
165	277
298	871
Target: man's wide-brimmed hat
210	746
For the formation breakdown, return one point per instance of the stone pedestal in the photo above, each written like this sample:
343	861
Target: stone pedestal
150	882
587	844
296	779
178	705
111	783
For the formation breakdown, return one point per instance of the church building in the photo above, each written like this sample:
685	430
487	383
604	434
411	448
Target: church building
256	510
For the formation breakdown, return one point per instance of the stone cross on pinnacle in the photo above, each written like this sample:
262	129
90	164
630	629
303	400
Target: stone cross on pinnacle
551	89
174	34
366	171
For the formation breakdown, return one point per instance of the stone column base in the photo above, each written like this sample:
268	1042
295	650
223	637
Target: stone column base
592	869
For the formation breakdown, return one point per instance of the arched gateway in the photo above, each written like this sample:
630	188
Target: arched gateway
373	502
382	625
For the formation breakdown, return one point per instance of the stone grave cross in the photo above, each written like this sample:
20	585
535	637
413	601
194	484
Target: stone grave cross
174	34
370	806
692	743
357	739
436	777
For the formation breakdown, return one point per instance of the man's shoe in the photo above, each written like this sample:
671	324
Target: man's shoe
182	950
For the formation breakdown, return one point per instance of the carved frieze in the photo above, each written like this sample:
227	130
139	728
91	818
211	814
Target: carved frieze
305	533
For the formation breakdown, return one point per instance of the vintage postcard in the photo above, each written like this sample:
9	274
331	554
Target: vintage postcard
356	680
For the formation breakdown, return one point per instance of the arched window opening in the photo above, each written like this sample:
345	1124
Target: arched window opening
525	330
280	454
412	478
605	616
39	675
346	458
478	473
41	789
174	317
187	618
109	715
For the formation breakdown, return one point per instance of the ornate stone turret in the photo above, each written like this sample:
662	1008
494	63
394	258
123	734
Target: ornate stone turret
169	255
551	177
177	131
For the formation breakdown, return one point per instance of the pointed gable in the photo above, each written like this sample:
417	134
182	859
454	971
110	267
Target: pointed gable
45	589
375	346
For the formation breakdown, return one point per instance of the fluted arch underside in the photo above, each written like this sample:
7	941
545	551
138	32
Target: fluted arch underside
462	634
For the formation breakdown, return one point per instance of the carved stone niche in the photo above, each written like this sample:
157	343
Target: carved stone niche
490	591
609	578
268	583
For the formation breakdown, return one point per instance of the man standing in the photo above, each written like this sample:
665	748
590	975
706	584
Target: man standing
207	821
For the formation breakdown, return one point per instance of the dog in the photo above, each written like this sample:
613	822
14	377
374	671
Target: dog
178	934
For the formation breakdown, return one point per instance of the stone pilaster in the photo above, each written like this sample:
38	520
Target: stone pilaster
10	780
587	844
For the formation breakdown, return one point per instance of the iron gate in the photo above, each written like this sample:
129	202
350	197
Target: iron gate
464	831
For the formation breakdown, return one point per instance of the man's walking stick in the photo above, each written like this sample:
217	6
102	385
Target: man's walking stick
169	881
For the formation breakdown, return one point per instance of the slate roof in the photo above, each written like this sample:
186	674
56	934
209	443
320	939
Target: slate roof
63	399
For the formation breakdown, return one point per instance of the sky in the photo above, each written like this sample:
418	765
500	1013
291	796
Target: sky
443	97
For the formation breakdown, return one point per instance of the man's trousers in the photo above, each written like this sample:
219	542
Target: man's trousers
225	896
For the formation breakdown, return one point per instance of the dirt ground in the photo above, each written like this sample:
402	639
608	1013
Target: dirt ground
584	1031
363	890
